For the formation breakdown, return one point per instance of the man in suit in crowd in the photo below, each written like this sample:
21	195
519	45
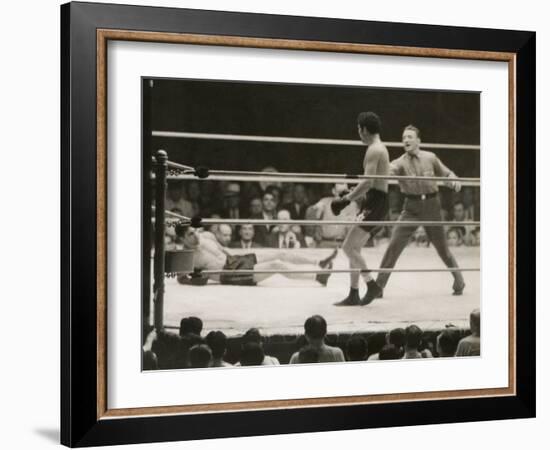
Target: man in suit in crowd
269	212
255	208
282	236
298	207
246	238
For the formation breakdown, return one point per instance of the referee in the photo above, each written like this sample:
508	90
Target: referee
421	204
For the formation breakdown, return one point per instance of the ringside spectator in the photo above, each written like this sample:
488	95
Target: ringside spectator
328	236
189	336
255	208
224	234
413	340
471	345
171	351
460	214
455	237
253	335
282	236
277	194
200	356
246	238
315	328
308	355
269	212
447	342
297	207
395	337
252	354
250	190
190	326
388	352
356	348
217	341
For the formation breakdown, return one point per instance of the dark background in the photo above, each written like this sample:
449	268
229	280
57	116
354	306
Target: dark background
311	111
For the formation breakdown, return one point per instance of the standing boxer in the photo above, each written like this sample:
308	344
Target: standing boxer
373	193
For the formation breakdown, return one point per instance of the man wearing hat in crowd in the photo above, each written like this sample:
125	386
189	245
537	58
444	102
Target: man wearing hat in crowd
232	202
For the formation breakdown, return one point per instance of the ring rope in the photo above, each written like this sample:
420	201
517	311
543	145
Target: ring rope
197	222
177	171
182	167
268	178
175	215
331	271
298	140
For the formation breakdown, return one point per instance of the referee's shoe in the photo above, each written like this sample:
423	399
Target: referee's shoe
373	291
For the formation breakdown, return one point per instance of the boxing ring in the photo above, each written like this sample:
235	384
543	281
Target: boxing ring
278	305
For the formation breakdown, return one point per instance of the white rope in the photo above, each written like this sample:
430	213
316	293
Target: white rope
323	222
337	222
334	175
173	215
330	180
299	177
292	176
298	140
327	271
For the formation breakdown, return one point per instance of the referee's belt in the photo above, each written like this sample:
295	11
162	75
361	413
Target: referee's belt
421	196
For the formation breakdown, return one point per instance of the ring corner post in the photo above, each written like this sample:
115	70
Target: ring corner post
160	166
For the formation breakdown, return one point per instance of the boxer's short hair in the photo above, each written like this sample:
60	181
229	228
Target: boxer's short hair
370	121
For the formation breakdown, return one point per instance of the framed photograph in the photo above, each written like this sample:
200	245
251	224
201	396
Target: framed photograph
272	224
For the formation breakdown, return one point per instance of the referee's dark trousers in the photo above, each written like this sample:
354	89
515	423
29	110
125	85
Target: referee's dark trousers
426	208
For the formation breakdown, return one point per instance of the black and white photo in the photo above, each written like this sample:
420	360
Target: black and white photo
309	223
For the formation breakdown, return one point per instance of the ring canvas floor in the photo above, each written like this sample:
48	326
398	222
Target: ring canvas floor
279	305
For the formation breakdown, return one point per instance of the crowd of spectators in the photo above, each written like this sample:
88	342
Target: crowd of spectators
189	349
250	200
